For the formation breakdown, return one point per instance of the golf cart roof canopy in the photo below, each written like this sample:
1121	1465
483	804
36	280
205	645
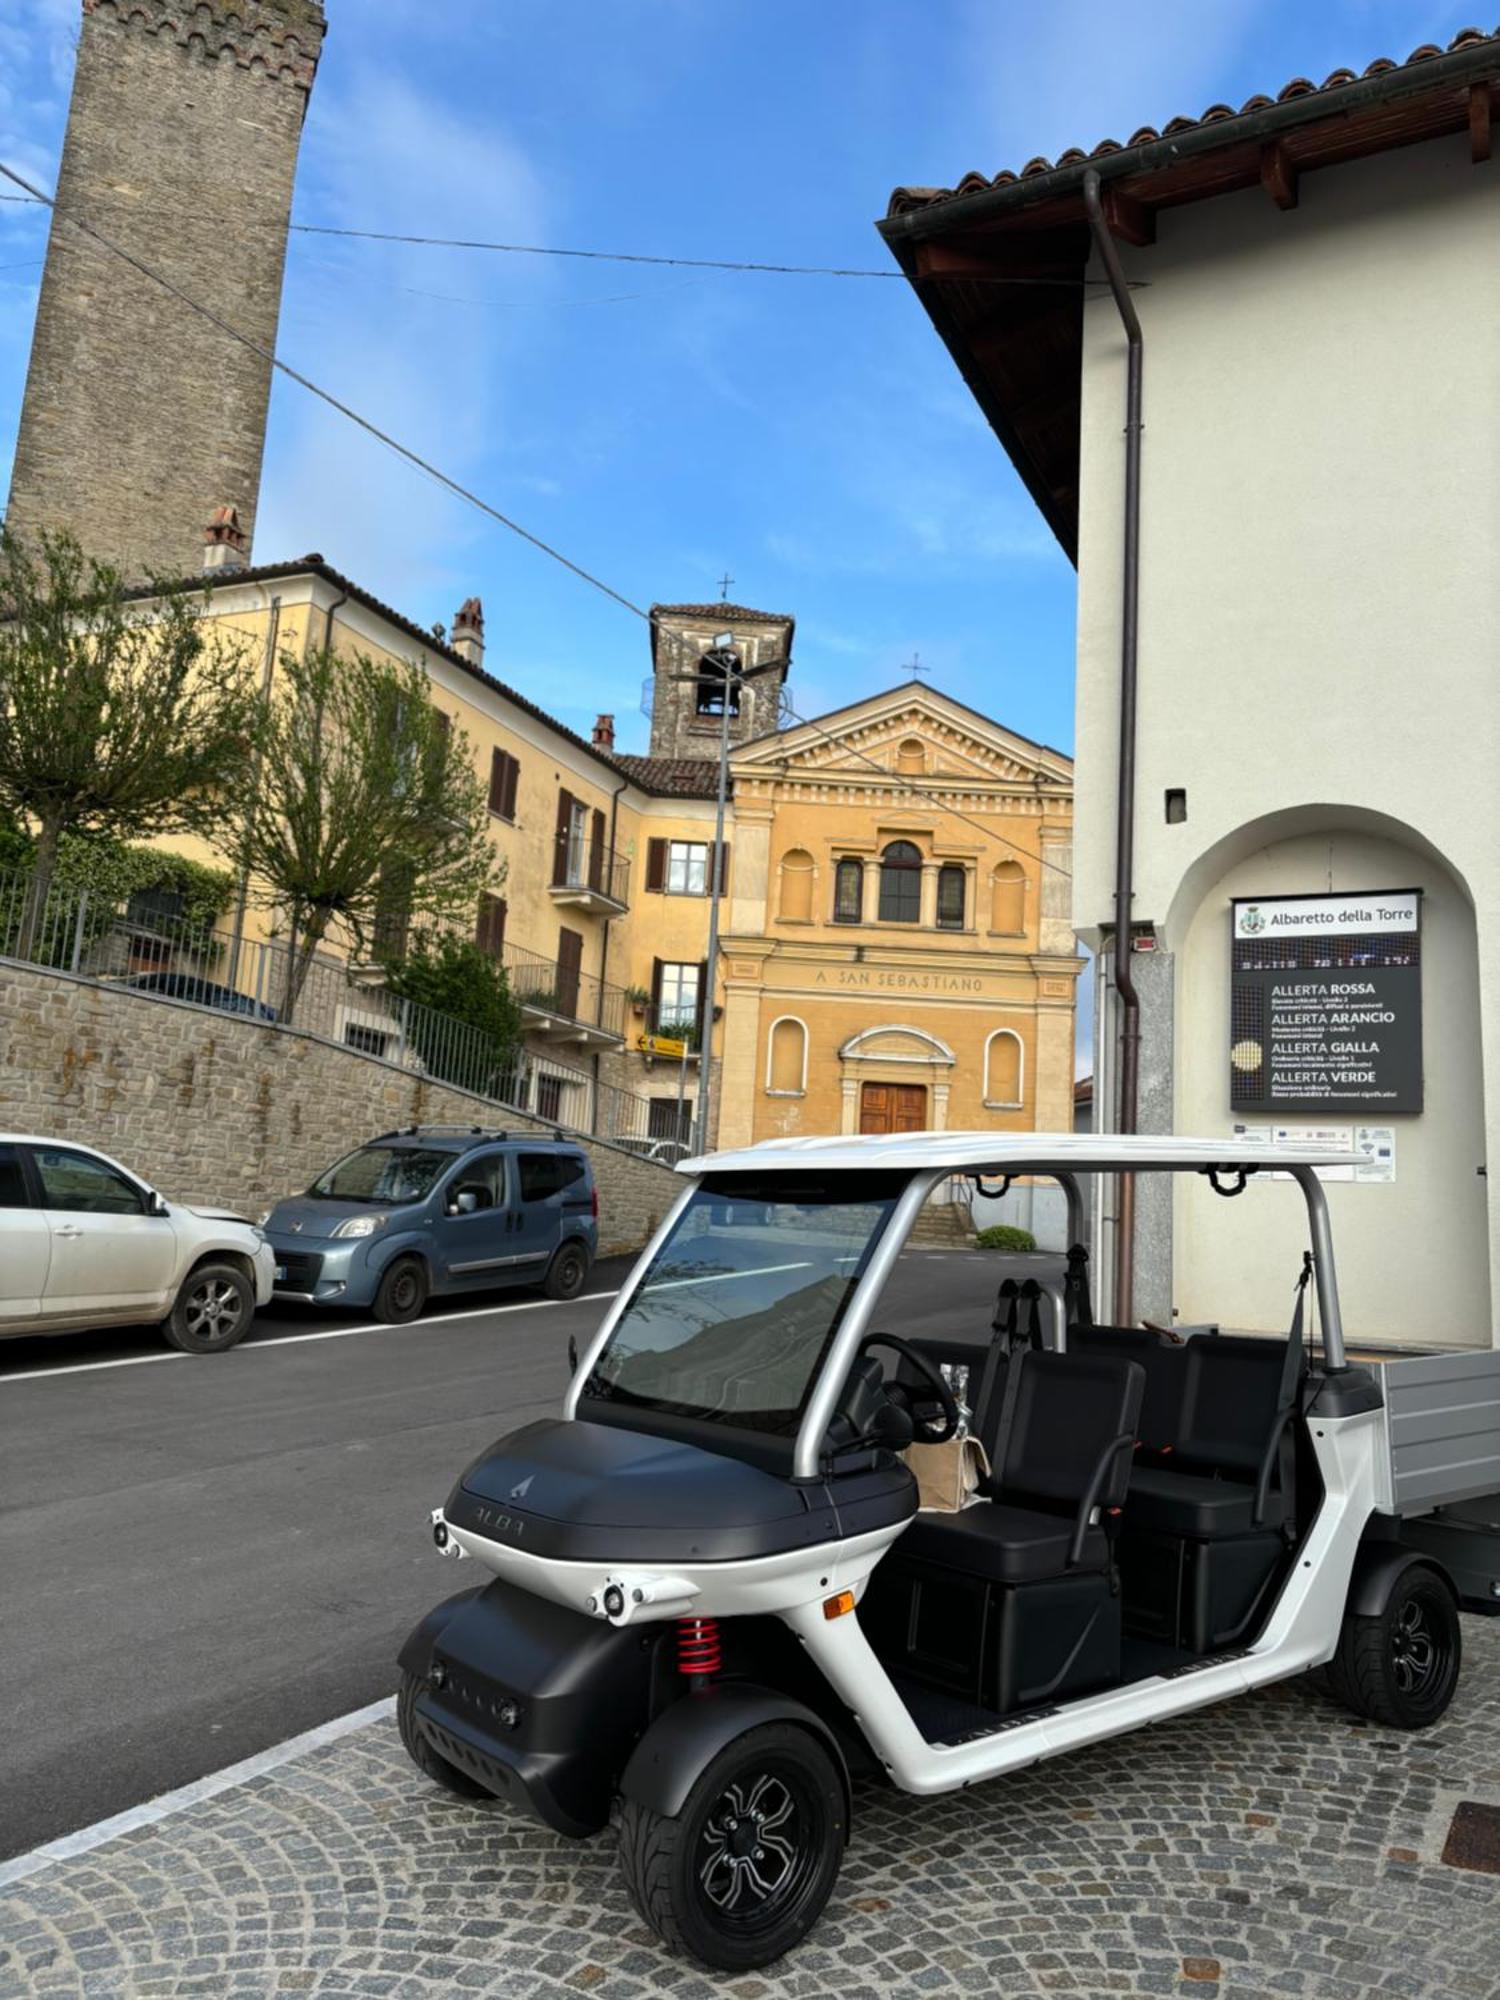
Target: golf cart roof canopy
1014	1153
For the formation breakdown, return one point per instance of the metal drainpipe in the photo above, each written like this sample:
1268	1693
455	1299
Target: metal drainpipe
1130	1005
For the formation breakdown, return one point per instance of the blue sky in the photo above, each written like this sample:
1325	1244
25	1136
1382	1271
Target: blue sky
809	435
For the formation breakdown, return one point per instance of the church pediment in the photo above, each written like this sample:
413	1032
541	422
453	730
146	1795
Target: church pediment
916	734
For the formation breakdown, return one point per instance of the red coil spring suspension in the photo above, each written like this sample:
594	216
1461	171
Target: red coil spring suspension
699	1652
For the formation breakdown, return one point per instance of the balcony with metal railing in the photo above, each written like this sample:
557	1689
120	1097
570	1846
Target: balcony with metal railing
562	1004
588	875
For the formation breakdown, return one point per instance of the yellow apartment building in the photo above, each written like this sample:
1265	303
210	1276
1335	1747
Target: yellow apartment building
895	941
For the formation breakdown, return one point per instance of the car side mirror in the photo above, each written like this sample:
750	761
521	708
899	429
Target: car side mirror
465	1202
156	1206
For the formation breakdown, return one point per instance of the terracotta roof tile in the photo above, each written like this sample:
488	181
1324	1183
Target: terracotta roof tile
680	777
904	199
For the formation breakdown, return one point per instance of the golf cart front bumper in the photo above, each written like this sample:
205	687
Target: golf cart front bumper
539	1704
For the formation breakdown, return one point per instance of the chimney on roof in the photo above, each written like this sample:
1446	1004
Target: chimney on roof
467	636
225	543
604	733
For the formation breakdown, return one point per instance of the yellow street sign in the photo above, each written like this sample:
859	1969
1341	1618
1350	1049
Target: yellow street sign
661	1045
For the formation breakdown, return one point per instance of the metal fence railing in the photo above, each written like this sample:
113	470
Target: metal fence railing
563	992
147	946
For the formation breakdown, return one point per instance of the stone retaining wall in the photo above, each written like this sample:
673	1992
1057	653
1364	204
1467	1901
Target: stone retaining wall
210	1108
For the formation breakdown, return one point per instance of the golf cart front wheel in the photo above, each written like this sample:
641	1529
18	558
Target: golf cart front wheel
431	1763
1401	1666
741	1874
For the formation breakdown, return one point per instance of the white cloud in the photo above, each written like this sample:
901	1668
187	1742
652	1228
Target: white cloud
377	323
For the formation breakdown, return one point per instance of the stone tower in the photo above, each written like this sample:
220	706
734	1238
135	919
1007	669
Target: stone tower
141	420
687	714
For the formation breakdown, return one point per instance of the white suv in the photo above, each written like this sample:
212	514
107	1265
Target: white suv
83	1243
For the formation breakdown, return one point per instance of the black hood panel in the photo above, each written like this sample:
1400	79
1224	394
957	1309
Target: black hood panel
586	1492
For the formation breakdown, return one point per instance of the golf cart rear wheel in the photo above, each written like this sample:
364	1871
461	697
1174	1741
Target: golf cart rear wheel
403	1291
431	1763
1401	1667
741	1874
212	1310
568	1272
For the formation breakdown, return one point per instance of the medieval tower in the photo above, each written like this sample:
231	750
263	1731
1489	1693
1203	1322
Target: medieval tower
141	420
689	685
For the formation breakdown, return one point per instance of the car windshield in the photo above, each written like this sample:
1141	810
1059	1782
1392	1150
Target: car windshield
737	1309
383	1173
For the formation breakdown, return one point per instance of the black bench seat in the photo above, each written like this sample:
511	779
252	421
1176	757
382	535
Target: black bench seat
1001	1544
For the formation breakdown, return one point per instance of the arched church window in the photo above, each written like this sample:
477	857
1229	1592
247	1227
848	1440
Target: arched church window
901	883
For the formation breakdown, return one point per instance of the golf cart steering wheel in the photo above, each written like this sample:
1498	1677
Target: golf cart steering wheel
934	1422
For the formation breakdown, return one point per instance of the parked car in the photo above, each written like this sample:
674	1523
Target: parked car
86	1243
202	992
437	1209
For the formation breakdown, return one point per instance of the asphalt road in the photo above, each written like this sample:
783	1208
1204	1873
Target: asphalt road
204	1555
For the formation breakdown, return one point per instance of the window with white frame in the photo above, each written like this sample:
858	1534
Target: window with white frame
677	1006
687	867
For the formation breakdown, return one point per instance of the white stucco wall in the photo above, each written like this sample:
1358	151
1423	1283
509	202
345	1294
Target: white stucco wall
1319	596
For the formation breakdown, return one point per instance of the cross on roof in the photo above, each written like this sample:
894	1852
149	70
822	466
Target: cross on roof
725	583
914	666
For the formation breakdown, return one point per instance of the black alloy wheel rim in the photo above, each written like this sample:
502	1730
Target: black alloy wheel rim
758	1851
570	1271
405	1292
1421	1647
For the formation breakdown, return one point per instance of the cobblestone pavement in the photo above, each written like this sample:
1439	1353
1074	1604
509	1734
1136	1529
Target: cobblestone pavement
1270	1846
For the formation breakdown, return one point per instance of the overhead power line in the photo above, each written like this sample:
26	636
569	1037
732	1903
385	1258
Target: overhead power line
454	486
629	256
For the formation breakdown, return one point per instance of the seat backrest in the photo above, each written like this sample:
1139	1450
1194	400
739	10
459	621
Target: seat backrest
1067	1408
1231	1397
1166	1375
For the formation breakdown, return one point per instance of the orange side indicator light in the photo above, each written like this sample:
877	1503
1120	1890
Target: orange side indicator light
835	1607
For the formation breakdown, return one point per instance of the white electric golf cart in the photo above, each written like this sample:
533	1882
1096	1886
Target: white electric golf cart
714	1596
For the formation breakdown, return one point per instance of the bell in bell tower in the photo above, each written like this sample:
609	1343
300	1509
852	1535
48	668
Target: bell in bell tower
699	654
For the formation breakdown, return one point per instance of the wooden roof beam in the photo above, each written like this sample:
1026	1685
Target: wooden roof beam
1128	218
1479	122
1278	174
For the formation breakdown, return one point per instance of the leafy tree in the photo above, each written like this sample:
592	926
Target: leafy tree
451	979
117	717
367	809
111	871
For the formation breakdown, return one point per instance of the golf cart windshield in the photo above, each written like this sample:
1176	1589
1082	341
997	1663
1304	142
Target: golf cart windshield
735	1312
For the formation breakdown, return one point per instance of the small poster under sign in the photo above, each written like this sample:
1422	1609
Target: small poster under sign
1378	1144
1308	1138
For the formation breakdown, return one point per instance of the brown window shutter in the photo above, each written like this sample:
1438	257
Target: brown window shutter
596	852
489	933
655	1017
498	763
656	866
569	961
721	871
560	842
705	1016
512	775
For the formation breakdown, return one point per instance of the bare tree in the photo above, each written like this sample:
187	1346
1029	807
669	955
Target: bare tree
118	715
368	809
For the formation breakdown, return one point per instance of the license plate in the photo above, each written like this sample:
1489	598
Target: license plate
280	1271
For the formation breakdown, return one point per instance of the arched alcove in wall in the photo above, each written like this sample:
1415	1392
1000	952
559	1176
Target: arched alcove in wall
786	1057
798	877
1412	1254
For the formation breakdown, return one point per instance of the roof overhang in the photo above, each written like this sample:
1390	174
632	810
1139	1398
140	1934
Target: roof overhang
1000	265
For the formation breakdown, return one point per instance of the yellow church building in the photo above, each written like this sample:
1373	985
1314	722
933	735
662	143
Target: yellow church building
895	950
